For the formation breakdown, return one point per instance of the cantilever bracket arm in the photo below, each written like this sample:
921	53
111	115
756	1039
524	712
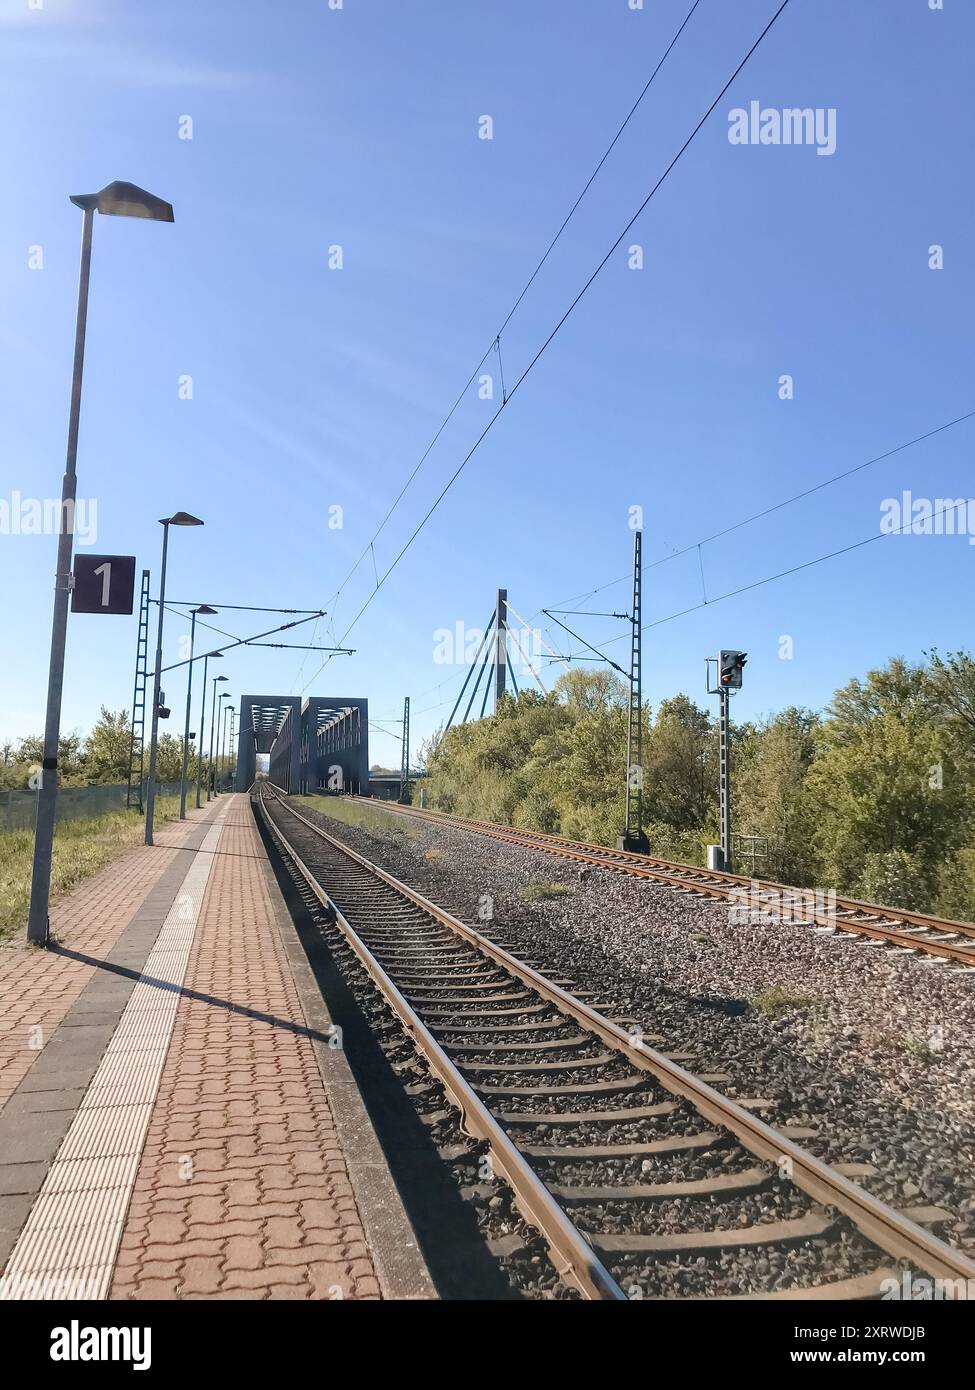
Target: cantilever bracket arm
602	657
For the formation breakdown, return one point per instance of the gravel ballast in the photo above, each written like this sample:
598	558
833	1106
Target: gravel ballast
866	1046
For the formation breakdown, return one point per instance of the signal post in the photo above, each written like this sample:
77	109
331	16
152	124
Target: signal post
729	668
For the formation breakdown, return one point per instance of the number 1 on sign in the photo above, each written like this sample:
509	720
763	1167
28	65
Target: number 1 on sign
106	570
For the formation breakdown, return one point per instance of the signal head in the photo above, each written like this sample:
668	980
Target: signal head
730	665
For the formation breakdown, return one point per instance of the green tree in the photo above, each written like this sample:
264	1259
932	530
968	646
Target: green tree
680	773
951	682
771	762
875	798
108	747
885	778
169	758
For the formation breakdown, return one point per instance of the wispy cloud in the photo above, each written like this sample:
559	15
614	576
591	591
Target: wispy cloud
20	14
110	62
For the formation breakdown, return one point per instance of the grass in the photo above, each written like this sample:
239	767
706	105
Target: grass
778	1000
541	892
81	848
358	813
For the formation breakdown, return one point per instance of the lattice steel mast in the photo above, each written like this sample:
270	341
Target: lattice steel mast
633	837
404	776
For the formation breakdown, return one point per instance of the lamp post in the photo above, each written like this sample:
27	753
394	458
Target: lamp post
203	711
214	716
177	519
233	759
223	743
221	735
210	612
115	200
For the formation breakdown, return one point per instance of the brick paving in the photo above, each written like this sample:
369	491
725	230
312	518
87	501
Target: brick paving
37	988
242	1190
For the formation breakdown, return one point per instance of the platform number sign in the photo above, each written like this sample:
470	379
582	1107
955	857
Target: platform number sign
103	584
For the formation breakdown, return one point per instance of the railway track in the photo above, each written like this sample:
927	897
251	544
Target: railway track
643	1180
898	928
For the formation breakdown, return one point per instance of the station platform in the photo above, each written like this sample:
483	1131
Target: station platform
174	1122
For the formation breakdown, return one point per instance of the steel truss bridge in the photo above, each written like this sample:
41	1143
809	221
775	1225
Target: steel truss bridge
319	744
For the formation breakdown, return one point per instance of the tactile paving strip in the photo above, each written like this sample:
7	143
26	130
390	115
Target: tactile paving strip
68	1245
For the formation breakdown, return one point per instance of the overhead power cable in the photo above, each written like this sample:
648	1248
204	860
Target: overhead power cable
818	487
199	622
588	644
767	511
555	330
794	569
248	641
527	626
495	344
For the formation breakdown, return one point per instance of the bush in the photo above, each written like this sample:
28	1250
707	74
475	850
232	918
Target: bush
537	812
896	879
956	886
682	846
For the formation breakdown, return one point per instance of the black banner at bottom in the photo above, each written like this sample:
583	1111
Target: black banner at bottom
204	1337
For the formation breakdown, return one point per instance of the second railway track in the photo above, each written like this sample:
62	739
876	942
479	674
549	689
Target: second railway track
939	938
643	1180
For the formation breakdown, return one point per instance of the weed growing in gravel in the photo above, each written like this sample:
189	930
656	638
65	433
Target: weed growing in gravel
777	1000
372	819
920	1050
539	892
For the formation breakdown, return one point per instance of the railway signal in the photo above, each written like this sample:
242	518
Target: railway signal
729	666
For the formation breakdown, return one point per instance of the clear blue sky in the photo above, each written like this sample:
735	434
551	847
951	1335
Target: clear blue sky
315	387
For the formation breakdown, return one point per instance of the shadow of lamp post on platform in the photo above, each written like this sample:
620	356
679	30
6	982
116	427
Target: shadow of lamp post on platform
118	199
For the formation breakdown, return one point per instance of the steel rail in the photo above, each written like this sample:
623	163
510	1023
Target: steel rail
890	1230
719	884
572	1255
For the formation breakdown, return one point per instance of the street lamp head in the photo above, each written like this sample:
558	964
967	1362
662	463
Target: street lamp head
120	199
205	608
216	656
180	519
221	678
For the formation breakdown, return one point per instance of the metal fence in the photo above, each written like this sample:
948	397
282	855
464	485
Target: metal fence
18	809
